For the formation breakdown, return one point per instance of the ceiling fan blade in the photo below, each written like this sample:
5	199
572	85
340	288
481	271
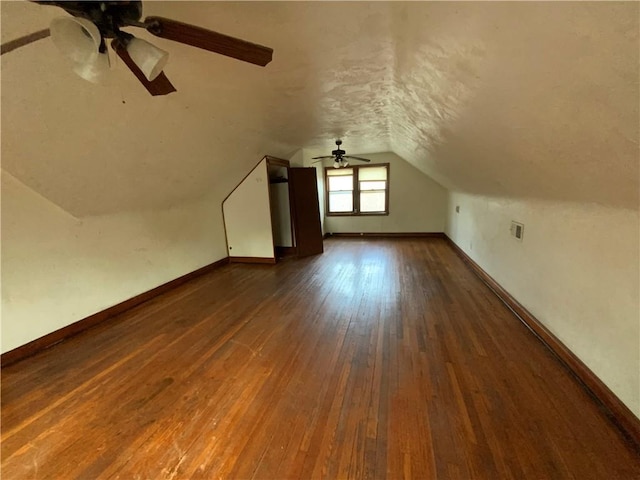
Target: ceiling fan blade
22	41
321	158
209	40
159	86
356	158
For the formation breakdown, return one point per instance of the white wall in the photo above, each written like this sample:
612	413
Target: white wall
57	269
576	270
416	202
247	216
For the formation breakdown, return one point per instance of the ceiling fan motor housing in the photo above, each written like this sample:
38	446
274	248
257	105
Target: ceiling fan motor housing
108	16
338	152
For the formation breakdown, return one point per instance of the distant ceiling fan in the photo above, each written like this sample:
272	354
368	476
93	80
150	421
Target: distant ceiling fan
82	39
340	159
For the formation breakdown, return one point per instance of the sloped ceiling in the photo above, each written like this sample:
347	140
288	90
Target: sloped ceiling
530	100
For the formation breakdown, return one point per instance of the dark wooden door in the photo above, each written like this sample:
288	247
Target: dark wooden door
303	191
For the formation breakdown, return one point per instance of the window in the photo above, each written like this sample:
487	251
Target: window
358	190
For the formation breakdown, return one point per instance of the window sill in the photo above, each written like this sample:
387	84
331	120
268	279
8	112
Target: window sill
349	214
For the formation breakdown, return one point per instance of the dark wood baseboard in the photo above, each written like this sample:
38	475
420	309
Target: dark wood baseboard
264	260
385	234
58	336
611	405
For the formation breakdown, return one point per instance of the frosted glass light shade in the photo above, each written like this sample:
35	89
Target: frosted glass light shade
95	69
79	40
149	58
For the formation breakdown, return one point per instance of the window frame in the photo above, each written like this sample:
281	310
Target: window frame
356	193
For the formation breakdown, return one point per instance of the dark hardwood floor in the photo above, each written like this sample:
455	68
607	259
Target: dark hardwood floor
377	359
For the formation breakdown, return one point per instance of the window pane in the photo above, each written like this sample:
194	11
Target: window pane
337	172
372	185
340	183
340	202
372	202
372	173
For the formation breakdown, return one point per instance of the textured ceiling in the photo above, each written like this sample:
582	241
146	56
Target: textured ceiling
535	100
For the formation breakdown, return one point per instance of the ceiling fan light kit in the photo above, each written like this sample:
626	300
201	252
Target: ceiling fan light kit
95	69
149	58
76	38
80	41
81	38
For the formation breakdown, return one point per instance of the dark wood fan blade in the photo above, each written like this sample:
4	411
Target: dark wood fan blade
356	158
22	41
321	158
159	86
209	40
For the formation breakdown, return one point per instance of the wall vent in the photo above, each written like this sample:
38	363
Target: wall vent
517	230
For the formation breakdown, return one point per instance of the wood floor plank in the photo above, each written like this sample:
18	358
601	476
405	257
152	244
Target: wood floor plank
378	359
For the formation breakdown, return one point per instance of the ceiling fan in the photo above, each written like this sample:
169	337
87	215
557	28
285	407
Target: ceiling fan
82	39
340	159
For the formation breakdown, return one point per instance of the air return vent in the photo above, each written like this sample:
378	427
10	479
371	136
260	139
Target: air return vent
517	230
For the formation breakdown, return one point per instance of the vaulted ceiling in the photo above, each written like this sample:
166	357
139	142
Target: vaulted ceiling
515	99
